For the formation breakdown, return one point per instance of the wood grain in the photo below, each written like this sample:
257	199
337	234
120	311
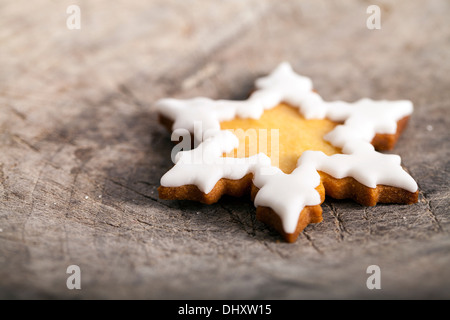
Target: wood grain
81	150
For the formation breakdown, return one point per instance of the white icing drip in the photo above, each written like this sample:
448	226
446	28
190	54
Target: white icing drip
381	116
204	166
281	191
364	164
342	135
286	194
365	118
283	84
185	113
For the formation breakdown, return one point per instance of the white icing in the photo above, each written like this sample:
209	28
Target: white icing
342	135
204	166
364	164
286	194
381	116
280	192
283	84
185	113
365	118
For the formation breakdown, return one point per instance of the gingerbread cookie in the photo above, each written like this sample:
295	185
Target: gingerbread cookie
287	148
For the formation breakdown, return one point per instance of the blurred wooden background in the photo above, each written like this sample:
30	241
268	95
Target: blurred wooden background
81	151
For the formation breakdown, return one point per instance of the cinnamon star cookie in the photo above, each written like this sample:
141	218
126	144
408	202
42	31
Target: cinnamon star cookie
287	148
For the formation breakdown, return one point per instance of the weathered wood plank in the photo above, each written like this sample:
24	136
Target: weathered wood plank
81	152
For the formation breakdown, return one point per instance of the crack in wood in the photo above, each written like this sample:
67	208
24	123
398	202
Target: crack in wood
38	179
312	242
275	251
170	229
147	183
366	217
138	193
18	113
424	198
434	219
22	141
236	218
341	229
129	94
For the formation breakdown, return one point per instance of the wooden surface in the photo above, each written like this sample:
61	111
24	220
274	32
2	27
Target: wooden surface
82	153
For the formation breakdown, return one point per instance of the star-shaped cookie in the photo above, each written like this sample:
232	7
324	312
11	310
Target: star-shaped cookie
287	148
